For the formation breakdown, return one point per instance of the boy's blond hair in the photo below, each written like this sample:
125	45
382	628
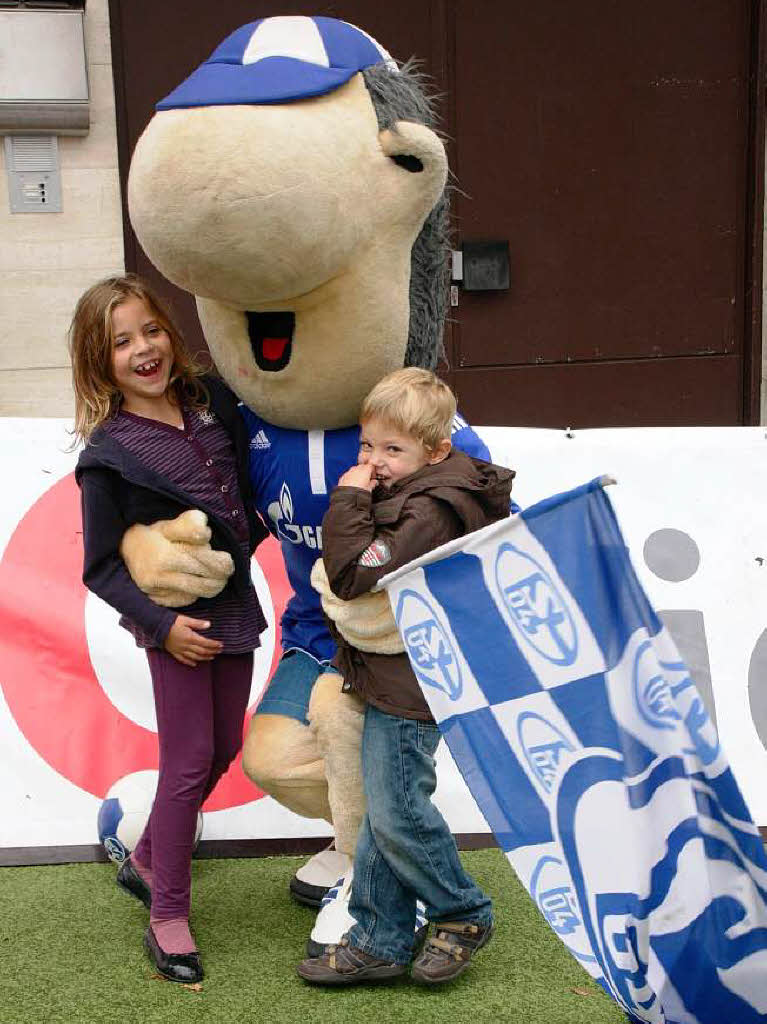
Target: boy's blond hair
97	397
415	402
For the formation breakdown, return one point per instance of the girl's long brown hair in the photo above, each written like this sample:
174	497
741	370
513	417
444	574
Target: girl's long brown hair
97	397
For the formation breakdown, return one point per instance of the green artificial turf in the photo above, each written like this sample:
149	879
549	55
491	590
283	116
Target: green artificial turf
71	952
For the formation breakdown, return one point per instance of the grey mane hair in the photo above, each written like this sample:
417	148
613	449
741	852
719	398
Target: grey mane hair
404	96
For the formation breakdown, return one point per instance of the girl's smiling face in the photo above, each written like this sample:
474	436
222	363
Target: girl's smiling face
394	454
142	355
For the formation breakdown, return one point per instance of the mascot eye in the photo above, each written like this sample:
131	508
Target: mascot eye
410	163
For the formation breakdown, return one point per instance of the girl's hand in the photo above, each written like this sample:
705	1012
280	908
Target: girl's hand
186	644
359	476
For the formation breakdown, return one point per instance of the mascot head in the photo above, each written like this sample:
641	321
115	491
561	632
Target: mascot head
292	183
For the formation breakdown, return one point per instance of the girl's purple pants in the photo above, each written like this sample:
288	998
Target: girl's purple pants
200	713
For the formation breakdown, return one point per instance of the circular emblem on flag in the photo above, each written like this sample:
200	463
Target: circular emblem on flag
667	699
536	609
431	653
552	889
73	718
544	746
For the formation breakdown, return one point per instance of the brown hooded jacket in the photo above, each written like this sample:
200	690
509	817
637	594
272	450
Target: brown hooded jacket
366	536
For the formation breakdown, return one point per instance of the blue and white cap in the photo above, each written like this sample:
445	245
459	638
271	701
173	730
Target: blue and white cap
277	60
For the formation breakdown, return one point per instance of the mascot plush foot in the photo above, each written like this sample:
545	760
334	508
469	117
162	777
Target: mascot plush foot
334	920
320	877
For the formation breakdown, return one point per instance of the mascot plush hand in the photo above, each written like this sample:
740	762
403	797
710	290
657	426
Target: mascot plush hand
165	571
294	185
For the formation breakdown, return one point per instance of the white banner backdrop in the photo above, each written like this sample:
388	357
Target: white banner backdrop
76	710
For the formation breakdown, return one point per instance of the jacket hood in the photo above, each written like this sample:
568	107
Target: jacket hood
477	491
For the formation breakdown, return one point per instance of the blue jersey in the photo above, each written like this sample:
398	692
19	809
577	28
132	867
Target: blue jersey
292	473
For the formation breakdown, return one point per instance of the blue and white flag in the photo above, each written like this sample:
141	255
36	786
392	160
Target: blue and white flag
588	749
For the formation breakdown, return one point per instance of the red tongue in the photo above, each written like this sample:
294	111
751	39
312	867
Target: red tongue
273	347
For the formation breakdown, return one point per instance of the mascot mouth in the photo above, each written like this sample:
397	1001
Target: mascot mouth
271	338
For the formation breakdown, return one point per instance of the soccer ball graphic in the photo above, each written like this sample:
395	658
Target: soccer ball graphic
125	811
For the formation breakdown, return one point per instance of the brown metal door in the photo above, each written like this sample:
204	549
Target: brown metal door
609	143
617	147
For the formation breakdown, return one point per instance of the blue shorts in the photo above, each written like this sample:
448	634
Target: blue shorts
290	687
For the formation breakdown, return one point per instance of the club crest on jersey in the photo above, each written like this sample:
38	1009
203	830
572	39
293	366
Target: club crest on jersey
431	654
535	606
206	417
375	555
281	514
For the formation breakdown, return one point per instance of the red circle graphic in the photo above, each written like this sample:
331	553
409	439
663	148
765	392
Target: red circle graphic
47	676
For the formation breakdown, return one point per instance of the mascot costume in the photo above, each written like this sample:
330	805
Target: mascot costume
294	185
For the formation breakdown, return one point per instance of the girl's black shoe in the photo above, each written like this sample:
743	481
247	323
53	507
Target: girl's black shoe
183	967
131	881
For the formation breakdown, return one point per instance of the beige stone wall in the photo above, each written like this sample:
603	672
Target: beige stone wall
48	259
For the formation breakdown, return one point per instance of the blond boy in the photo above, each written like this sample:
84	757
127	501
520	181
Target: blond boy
408	493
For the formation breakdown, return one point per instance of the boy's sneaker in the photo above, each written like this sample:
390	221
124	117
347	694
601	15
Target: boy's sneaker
346	965
448	952
334	920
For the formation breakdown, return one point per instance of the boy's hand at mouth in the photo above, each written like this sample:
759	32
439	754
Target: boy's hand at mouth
362	476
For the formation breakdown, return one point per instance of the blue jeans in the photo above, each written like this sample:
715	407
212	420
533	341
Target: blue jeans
405	849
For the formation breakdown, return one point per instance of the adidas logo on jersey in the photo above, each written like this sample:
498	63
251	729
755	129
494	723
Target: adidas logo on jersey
260	440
